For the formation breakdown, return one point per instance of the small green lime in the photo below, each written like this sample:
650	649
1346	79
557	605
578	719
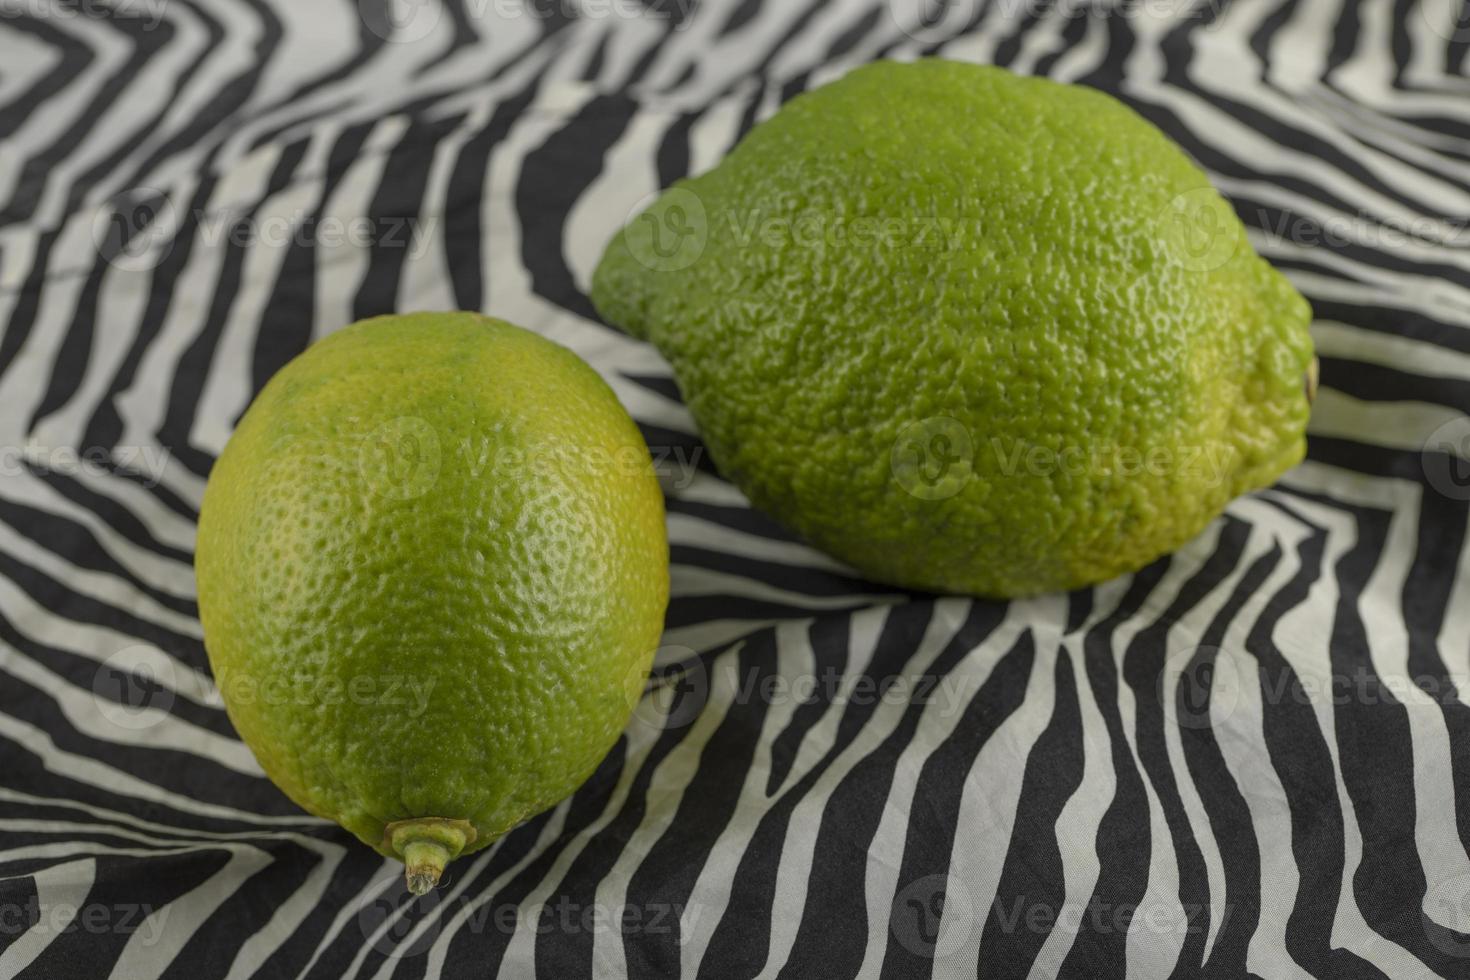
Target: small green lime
432	573
970	331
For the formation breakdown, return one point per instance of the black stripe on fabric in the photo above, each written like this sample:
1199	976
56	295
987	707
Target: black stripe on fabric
800	581
214	946
1388	320
92	839
1123	839
349	887
740	16
287	319
560	951
1302	761
743	519
115	515
479	947
188	774
828	637
1144	664
1456	56
23	314
75	351
463	231
674	449
552	180
1225	806
1033	878
1301	242
853	34
234	95
76	543
672	158
126	889
142	42
193	368
691	610
1375	752
837	896
105	427
73	56
1261	38
599	56
1345	30
1080	604
395	212
660	384
1428	597
1118	47
65	603
1371	460
666	876
922	898
26	772
832	937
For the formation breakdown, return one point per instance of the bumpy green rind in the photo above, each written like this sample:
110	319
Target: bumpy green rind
432	572
969	331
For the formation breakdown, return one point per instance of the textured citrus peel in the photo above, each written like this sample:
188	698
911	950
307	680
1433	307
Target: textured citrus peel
426	845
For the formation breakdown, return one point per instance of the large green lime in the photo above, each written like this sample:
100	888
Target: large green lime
432	574
970	331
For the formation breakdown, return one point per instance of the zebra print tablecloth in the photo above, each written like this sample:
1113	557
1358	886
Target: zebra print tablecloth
1252	758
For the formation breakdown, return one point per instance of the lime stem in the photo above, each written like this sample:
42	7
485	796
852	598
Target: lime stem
426	845
424	862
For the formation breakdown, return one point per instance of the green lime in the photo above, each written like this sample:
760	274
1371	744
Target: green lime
970	331
432	573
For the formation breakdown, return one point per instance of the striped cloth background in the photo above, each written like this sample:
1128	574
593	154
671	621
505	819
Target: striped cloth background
1250	759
